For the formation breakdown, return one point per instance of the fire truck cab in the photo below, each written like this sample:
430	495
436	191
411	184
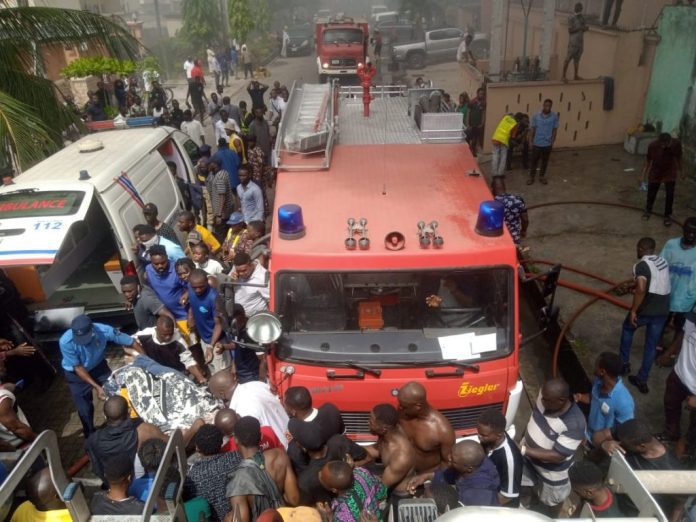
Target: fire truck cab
341	44
382	268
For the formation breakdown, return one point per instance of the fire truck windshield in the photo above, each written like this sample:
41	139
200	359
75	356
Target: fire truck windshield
343	36
396	318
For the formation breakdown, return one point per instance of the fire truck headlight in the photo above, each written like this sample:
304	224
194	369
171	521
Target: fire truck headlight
490	218
325	65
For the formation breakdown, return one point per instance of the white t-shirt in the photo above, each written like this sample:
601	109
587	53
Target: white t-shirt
254	298
5	434
220	129
212	267
255	399
194	129
685	368
188	67
461	50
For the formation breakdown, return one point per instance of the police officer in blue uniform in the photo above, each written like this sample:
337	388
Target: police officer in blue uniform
82	348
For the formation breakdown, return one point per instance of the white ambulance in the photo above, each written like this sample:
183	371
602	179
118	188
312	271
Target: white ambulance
66	224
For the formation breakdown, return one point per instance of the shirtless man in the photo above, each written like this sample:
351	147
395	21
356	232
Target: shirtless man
393	447
430	432
263	480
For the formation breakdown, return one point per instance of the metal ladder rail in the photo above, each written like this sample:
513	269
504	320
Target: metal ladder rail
47	441
74	497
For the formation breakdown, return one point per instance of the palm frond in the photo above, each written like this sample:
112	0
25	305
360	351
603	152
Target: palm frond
40	95
22	27
23	132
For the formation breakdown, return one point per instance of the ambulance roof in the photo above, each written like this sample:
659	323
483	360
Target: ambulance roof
393	187
121	149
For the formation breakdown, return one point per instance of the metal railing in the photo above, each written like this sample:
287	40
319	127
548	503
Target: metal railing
71	492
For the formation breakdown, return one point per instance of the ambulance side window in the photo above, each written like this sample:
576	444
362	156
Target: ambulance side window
192	151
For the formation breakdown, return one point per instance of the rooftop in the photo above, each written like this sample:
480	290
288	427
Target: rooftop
122	148
393	187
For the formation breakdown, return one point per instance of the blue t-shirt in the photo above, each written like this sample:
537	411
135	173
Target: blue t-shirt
90	355
168	288
544	125
140	487
229	161
606	411
682	275
203	309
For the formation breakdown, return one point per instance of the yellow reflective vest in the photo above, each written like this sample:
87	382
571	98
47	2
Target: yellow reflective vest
504	129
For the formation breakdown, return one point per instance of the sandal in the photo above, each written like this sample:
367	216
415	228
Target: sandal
542	180
530	181
645	216
667	222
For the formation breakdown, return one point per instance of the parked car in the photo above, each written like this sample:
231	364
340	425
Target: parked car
376	9
301	40
322	13
438	45
396	33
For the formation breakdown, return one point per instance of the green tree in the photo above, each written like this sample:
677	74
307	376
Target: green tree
31	116
262	16
241	19
202	24
418	8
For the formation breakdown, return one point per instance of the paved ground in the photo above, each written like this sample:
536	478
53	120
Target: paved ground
599	239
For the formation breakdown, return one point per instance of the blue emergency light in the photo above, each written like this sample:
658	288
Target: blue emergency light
490	218
290	222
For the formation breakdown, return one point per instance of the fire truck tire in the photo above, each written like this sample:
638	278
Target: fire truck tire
323	78
416	60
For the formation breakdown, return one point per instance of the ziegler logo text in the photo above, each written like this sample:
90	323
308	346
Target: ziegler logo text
467	389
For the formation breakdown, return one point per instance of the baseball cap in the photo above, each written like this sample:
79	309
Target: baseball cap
235	218
230	125
81	328
195	237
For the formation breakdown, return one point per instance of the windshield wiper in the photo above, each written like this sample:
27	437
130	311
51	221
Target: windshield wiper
372	371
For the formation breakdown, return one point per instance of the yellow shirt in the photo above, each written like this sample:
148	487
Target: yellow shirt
208	238
26	512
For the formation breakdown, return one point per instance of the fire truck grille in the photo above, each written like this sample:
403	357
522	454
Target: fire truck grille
343	62
460	418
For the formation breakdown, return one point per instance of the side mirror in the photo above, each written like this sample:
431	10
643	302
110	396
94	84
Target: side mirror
264	328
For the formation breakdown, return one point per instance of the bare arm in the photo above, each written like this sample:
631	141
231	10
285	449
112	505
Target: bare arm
291	492
448	439
9	419
240	509
524	221
638	298
398	468
83	374
553	136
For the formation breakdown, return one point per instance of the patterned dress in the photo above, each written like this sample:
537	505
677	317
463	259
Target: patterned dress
366	494
257	160
514	208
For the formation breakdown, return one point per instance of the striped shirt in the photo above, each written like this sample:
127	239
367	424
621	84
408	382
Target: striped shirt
508	461
562	434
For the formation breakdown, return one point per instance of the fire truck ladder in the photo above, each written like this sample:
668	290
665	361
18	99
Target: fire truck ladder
306	132
71	493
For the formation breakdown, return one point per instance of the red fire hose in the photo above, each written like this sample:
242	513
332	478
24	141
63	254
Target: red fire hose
597	295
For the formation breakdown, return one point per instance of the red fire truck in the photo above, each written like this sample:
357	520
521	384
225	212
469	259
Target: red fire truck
389	261
341	44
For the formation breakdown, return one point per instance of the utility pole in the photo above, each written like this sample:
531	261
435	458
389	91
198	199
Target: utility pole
163	53
224	9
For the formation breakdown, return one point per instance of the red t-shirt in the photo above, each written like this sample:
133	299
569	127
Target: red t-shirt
269	440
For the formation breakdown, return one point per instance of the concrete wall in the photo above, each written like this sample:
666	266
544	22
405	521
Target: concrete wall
624	56
674	69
